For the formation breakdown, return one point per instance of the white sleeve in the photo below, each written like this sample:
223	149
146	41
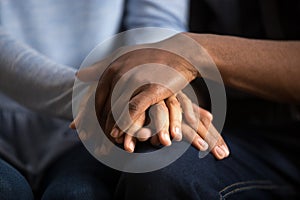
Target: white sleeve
33	80
172	14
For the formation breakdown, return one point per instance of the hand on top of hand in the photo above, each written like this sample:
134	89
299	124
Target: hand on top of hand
164	101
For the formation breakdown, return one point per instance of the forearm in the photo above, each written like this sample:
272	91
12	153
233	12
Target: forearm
269	69
34	80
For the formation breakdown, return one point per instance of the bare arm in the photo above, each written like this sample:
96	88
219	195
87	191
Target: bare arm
270	69
266	68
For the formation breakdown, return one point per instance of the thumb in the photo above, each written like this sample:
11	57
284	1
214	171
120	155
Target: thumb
93	72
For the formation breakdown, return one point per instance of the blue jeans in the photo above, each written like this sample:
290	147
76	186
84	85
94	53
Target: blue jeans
13	186
262	165
75	175
78	175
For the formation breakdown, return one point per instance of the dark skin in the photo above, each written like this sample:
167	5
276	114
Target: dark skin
269	69
197	130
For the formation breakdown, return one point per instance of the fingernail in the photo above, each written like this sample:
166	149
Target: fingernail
220	152
178	134
71	125
131	146
225	149
114	133
203	144
167	139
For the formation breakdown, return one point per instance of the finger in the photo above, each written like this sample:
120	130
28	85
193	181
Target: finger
221	150
205	116
216	142
101	95
140	103
116	111
218	146
72	125
136	126
175	115
210	134
204	126
133	130
191	136
109	124
94	71
155	140
188	110
129	143
160	115
143	134
120	140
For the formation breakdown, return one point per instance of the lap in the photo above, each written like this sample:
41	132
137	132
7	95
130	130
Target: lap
13	185
255	170
77	175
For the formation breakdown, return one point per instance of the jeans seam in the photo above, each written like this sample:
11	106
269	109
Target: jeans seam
255	184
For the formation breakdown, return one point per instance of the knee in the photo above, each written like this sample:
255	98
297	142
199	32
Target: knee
13	186
187	178
162	184
71	190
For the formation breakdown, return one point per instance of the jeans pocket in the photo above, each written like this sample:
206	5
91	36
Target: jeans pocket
256	189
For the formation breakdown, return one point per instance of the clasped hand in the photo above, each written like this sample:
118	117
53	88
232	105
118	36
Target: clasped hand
173	115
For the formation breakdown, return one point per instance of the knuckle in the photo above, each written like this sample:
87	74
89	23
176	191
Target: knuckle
152	110
161	108
190	117
207	115
206	122
134	106
112	69
173	103
176	122
192	134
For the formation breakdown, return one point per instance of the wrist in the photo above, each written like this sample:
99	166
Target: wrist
166	57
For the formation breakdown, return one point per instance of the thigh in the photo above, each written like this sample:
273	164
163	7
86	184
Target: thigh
77	175
254	170
13	185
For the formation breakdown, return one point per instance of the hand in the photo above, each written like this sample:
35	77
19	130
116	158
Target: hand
196	127
145	96
149	93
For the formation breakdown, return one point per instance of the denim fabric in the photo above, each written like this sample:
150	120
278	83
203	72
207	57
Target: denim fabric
77	175
259	167
29	148
13	185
